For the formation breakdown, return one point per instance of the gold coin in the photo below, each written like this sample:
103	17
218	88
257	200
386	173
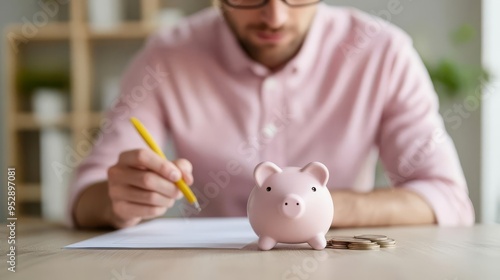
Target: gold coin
389	241
364	244
339	236
339	240
364	247
361	242
339	243
335	246
372	237
371	245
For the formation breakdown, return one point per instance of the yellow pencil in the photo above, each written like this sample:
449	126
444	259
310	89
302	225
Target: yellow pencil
188	193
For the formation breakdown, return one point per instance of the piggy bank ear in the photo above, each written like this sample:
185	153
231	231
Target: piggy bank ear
318	170
264	170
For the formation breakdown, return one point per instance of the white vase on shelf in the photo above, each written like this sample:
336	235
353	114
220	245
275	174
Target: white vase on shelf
169	17
49	105
105	15
110	92
54	178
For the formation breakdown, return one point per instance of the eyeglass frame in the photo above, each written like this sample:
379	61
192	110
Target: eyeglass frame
265	2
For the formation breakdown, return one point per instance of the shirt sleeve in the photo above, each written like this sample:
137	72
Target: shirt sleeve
140	90
415	148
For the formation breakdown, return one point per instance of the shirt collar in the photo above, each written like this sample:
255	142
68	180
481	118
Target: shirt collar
237	60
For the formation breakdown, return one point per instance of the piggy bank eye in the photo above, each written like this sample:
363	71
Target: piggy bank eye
314	189
268	189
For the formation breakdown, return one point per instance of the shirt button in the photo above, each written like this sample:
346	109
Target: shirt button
270	130
260	70
270	84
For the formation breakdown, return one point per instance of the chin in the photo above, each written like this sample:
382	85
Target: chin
282	46
271	52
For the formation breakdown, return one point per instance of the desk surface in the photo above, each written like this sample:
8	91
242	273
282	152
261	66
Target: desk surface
422	253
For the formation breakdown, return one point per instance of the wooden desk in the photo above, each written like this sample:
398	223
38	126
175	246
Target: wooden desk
422	253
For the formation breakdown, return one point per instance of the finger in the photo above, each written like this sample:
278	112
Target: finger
119	223
186	169
146	158
136	195
129	210
145	180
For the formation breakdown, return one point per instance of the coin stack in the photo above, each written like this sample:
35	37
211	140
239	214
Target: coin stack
361	242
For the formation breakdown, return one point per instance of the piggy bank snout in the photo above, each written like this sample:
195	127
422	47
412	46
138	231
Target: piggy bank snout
293	206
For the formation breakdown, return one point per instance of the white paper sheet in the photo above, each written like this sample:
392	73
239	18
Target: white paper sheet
227	233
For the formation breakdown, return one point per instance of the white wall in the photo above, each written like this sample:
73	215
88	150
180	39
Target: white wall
430	22
491	114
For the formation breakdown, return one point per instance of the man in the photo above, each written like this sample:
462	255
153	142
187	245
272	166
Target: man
289	81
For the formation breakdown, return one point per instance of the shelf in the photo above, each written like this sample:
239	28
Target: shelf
23	33
126	30
28	121
95	119
25	42
59	31
29	193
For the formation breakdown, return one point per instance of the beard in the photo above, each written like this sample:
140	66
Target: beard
271	55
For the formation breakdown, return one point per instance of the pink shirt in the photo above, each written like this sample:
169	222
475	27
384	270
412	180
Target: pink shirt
357	85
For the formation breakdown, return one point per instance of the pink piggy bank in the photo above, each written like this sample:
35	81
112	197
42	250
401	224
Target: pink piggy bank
290	205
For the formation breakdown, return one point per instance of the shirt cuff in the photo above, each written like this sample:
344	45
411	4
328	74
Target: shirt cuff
79	184
450	204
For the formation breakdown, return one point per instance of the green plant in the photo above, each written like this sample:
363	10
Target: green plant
452	78
31	79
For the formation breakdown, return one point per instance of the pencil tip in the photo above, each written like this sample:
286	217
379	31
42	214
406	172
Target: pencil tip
197	206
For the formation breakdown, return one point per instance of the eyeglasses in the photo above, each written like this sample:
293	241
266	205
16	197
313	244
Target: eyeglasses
254	4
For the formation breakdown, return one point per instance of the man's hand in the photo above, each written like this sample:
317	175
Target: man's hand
141	186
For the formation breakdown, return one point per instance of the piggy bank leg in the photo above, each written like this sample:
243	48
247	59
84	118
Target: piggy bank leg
266	243
318	242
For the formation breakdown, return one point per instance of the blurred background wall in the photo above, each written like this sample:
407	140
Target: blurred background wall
446	33
432	24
